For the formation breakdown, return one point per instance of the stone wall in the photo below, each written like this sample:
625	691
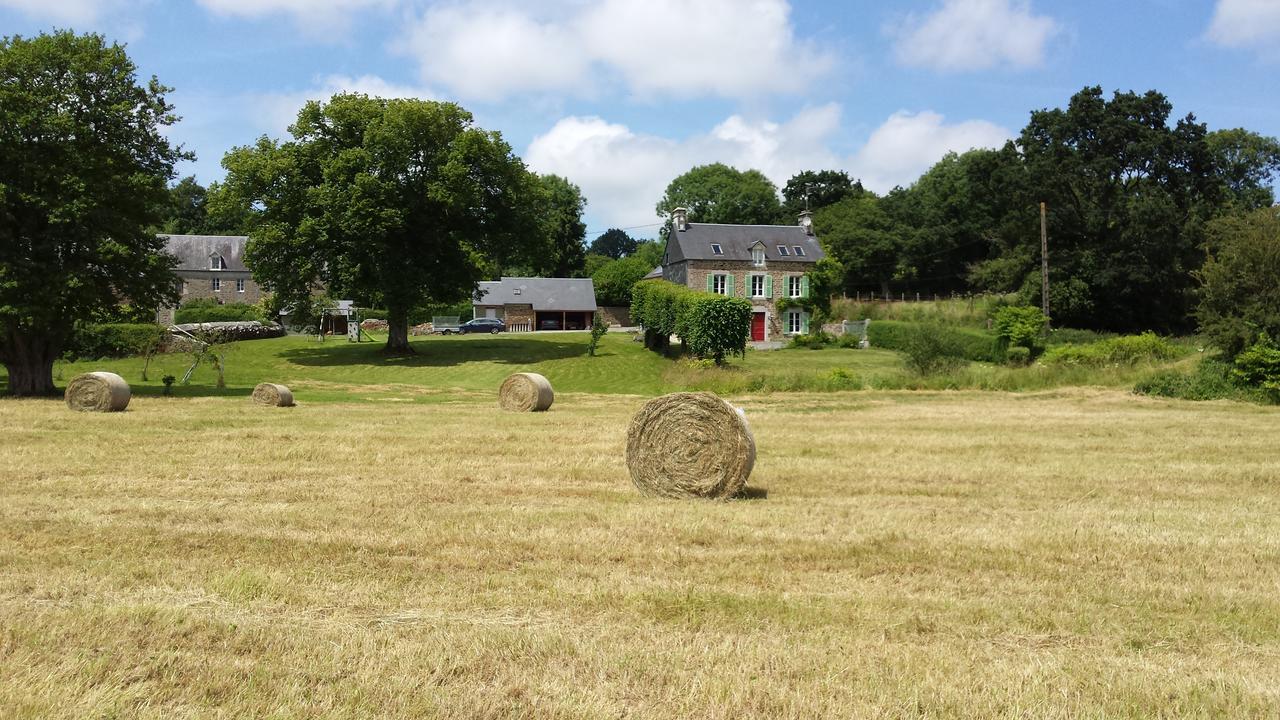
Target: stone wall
616	315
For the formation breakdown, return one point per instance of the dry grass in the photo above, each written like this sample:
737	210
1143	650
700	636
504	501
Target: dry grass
1067	554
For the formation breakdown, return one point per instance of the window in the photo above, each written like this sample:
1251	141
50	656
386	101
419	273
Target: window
795	286
782	250
239	284
217	284
718	284
757	286
799	250
757	256
716	249
216	262
794	321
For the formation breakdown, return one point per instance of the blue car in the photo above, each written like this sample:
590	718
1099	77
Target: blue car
482	325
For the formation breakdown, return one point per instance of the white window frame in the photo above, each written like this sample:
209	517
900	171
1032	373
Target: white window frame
216	262
719	284
757	256
217	284
239	285
716	249
799	250
754	280
794	286
783	251
795	321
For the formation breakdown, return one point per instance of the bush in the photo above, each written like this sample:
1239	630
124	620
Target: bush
1211	380
813	341
965	343
1018	356
929	349
710	325
1123	350
849	341
598	328
1239	296
203	310
114	340
1258	366
1019	327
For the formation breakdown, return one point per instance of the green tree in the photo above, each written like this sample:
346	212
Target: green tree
865	239
561	252
84	169
717	193
614	280
187	214
402	201
809	190
650	251
613	243
1246	162
1239	295
592	263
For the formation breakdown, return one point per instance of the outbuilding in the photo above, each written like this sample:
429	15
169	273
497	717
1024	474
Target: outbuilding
527	304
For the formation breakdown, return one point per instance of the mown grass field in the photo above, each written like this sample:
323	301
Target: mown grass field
397	547
1076	553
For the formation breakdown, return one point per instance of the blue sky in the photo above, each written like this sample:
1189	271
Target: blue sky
620	96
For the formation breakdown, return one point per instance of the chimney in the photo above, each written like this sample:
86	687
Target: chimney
806	222
680	219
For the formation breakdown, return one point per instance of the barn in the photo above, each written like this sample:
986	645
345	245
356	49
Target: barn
528	304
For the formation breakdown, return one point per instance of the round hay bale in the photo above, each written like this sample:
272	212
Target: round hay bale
98	392
273	395
525	392
690	445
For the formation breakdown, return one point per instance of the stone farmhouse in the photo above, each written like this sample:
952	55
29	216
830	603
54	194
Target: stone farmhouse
210	266
760	263
527	304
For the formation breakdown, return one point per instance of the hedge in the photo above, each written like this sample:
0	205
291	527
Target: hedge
969	344
710	325
205	310
113	340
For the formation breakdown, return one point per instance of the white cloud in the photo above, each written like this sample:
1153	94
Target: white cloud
1246	23
272	113
307	13
623	173
965	35
73	12
491	49
906	145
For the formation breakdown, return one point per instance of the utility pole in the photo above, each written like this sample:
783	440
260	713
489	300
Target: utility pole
1044	263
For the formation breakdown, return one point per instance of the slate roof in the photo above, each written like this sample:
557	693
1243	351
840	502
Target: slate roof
193	251
695	242
550	294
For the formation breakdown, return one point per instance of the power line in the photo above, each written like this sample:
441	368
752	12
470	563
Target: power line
598	233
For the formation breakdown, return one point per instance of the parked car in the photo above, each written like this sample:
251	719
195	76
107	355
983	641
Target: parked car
482	325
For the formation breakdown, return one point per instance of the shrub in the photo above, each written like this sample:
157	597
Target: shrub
965	343
1258	366
113	340
1019	327
1018	356
1211	380
1123	350
710	325
928	350
203	310
849	341
598	328
813	341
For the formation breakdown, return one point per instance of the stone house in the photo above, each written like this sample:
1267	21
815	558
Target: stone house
210	266
527	304
760	263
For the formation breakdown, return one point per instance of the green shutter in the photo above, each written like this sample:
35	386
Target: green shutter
804	286
804	323
711	283
768	286
728	284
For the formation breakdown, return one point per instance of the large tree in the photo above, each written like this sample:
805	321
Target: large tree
404	201
1239	296
561	234
84	169
613	243
865	239
717	193
1247	163
809	190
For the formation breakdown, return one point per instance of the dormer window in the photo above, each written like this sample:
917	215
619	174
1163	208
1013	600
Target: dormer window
757	256
216	262
716	249
799	250
782	251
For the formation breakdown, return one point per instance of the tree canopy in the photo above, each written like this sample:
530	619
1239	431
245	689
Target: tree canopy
194	210
558	249
717	193
1239	297
613	243
810	190
84	170
402	202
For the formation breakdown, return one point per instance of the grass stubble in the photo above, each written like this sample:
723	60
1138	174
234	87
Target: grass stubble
1059	554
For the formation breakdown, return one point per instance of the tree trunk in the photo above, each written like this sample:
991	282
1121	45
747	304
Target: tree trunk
29	359
398	332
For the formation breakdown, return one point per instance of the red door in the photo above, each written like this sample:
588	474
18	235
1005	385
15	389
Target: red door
757	327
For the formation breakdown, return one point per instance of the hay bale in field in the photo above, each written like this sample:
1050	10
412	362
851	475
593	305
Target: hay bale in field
690	445
525	392
272	394
98	392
